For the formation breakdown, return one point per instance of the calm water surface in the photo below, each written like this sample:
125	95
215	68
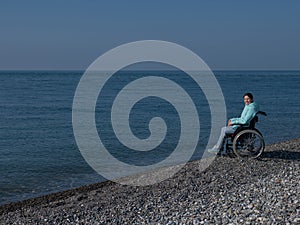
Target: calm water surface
37	146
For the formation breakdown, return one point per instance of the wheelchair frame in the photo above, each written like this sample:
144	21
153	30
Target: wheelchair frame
246	141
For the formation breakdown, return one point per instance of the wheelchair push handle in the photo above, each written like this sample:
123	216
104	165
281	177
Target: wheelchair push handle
262	113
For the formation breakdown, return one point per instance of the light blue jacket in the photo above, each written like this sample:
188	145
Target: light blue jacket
247	115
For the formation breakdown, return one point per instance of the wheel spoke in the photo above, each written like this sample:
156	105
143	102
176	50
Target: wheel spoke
248	143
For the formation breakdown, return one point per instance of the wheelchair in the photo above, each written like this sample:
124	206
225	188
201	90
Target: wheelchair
246	141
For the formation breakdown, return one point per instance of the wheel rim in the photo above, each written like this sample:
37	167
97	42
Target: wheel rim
248	143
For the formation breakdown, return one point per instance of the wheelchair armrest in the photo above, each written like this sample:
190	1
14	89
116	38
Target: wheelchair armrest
240	124
236	124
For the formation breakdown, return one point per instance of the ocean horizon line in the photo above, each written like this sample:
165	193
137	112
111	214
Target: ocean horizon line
154	70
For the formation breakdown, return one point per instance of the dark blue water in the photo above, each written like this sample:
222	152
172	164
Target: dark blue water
38	151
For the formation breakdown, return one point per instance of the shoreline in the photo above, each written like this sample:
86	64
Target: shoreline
191	190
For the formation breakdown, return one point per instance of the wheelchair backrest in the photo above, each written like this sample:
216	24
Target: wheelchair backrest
255	119
253	122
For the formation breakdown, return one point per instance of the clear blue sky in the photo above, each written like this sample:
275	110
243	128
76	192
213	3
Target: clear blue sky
71	34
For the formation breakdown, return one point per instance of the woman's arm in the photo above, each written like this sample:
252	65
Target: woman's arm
246	116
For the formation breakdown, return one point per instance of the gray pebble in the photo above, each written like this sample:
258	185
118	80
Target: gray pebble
229	191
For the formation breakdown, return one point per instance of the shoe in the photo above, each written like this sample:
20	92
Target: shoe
214	150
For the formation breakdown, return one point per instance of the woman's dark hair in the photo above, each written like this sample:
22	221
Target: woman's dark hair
249	95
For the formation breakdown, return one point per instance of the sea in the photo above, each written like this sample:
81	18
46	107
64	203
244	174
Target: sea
39	153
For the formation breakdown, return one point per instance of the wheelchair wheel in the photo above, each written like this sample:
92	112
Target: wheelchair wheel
248	143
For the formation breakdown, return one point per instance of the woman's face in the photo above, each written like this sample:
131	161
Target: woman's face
247	100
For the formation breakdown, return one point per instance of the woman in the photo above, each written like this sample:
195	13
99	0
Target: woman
249	112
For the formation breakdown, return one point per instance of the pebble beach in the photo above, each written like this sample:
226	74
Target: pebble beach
229	191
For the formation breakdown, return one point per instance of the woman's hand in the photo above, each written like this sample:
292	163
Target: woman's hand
229	123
